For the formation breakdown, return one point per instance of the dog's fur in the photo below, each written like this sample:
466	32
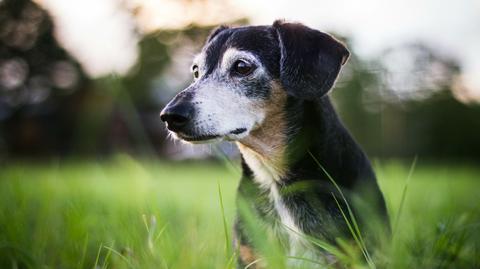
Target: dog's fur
281	118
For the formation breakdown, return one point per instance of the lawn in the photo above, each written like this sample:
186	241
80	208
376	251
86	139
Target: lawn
131	213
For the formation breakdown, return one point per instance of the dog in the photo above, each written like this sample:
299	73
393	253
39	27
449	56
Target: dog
266	88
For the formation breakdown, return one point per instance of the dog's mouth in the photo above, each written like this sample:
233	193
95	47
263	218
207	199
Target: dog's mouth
206	138
197	138
238	131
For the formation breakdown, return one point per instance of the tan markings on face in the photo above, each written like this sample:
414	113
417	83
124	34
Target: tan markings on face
264	148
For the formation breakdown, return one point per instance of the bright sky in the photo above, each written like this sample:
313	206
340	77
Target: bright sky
100	34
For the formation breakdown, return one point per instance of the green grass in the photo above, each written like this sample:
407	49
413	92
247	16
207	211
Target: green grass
127	213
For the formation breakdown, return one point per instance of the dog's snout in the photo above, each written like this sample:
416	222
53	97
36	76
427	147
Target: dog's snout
177	116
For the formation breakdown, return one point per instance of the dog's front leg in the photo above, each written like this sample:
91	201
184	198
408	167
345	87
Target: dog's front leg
246	256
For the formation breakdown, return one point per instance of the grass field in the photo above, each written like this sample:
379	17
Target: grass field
126	213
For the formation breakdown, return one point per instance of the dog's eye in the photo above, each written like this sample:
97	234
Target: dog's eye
195	71
242	67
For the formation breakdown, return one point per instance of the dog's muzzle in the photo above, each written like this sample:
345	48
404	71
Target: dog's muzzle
177	115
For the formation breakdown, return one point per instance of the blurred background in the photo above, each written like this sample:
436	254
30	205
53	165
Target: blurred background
89	179
88	78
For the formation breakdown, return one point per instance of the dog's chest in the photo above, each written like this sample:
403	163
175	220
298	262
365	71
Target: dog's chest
269	181
268	178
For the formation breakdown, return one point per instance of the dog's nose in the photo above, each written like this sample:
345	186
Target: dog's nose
177	116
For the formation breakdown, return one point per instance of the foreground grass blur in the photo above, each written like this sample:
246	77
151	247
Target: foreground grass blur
127	213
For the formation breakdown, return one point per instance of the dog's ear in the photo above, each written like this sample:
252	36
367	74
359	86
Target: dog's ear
216	31
309	60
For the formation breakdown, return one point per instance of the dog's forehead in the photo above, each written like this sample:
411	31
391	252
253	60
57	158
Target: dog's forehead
259	40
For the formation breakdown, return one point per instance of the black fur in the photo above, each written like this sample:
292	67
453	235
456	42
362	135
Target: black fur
215	49
306	62
310	60
307	190
216	31
260	40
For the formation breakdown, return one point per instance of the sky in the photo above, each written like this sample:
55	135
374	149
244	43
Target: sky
100	32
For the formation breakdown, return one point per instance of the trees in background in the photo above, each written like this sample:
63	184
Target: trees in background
411	110
40	84
48	106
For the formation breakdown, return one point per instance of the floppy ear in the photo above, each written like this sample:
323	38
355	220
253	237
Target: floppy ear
309	60
216	31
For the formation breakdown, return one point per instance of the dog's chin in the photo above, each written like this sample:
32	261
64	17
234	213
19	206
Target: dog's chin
199	138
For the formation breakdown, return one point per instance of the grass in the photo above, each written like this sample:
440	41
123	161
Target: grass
128	213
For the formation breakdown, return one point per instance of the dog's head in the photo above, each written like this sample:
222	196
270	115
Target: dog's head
240	73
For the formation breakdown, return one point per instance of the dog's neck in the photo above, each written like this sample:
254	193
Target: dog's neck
290	136
264	149
271	150
264	152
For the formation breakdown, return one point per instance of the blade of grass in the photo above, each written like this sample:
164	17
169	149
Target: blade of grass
84	252
144	217
225	229
164	228
151	232
98	256
252	263
400	210
225	160
107	257
354	234
120	255
404	194
350	212
231	261
319	243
